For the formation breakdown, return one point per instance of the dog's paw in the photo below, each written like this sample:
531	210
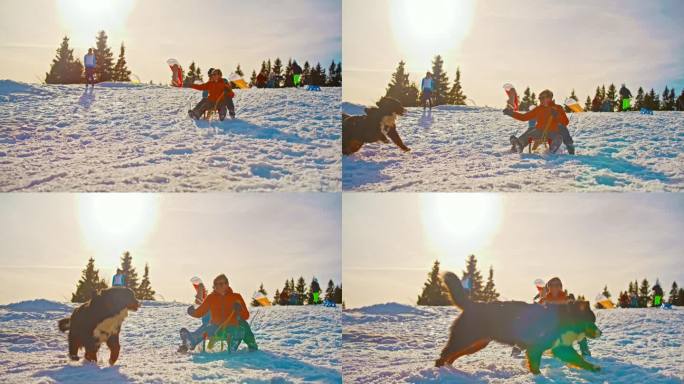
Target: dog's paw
406	149
439	363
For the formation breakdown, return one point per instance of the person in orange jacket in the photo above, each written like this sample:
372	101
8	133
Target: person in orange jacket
220	96
226	309
549	117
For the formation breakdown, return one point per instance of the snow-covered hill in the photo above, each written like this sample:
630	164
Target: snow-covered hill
126	137
394	343
297	344
467	149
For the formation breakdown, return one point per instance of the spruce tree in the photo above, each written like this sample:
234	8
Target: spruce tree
331	77
306	73
65	69
252	79
668	100
261	290
475	276
191	75
144	290
121	72
639	99
456	95
104	67
277	71
526	100
440	79
434	292
238	71
611	96
490	294
572	96
129	271
605	292
644	294
289	81
89	284
330	291
680	102
276	297
337	295
301	290
400	88
533	99
680	297
263	69
338	74
269	68
587	104
673	293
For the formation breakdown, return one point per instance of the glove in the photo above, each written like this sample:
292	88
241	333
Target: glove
508	112
191	310
237	307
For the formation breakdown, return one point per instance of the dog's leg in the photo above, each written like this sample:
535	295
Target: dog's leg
457	349
352	147
570	356
74	345
394	135
534	356
91	353
114	348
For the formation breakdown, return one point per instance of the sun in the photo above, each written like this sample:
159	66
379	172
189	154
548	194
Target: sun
456	225
83	19
114	222
426	28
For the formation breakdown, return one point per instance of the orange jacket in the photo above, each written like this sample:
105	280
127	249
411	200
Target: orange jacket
215	89
561	299
542	115
221	308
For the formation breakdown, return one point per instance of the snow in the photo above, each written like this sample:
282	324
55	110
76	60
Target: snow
459	148
297	344
395	343
133	137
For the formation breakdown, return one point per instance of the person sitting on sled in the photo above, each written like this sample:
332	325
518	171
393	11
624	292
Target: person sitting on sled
550	118
220	96
226	309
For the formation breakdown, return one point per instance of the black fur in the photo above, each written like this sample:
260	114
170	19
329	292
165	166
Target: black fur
85	318
532	327
359	130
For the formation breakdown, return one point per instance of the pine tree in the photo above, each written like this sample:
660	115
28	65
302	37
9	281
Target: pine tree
400	88
680	102
276	297
128	270
104	66
644	294
120	71
65	69
261	290
611	96
144	290
277	71
596	102
475	276
309	296
263	69
587	104
238	71
572	96
301	290
526	100
434	293
490	294
318	76
337	294
191	75
673	293
441	81
639	100
533	99
338	74
330	291
269	68
605	292
680	297
603	93
252	79
456	95
89	284
668	100
289	81
306	73
331	77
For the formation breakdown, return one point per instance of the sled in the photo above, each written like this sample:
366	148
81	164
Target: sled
228	339
313	88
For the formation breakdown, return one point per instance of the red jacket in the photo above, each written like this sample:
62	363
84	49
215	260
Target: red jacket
542	115
215	89
221	308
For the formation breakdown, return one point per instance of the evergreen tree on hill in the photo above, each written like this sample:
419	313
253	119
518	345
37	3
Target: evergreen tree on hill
104	67
89	284
526	100
276	297
401	89
65	69
261	290
605	292
639	99
129	271
441	81
587	104
252	79
238	71
277	71
489	292
456	95
300	288
673	293
145	291
644	294
330	291
434	292
611	96
289	81
306	73
121	72
337	295
476	284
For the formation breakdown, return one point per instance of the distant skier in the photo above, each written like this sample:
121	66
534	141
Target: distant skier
427	85
90	63
119	279
657	294
227	309
315	290
220	96
296	74
625	96
550	119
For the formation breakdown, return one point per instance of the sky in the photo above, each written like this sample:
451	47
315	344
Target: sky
253	238
215	33
558	45
589	240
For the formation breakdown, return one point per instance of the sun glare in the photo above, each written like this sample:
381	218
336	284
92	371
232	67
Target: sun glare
114	222
426	28
82	19
457	225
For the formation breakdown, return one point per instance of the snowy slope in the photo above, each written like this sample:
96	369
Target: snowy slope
467	149
124	137
394	343
297	344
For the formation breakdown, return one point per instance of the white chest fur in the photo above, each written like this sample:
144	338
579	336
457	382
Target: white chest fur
109	326
567	338
388	122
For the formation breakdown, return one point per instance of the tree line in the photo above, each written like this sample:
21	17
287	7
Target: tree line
299	294
435	292
409	95
67	69
90	281
641	295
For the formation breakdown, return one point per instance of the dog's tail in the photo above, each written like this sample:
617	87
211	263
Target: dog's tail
458	294
64	324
